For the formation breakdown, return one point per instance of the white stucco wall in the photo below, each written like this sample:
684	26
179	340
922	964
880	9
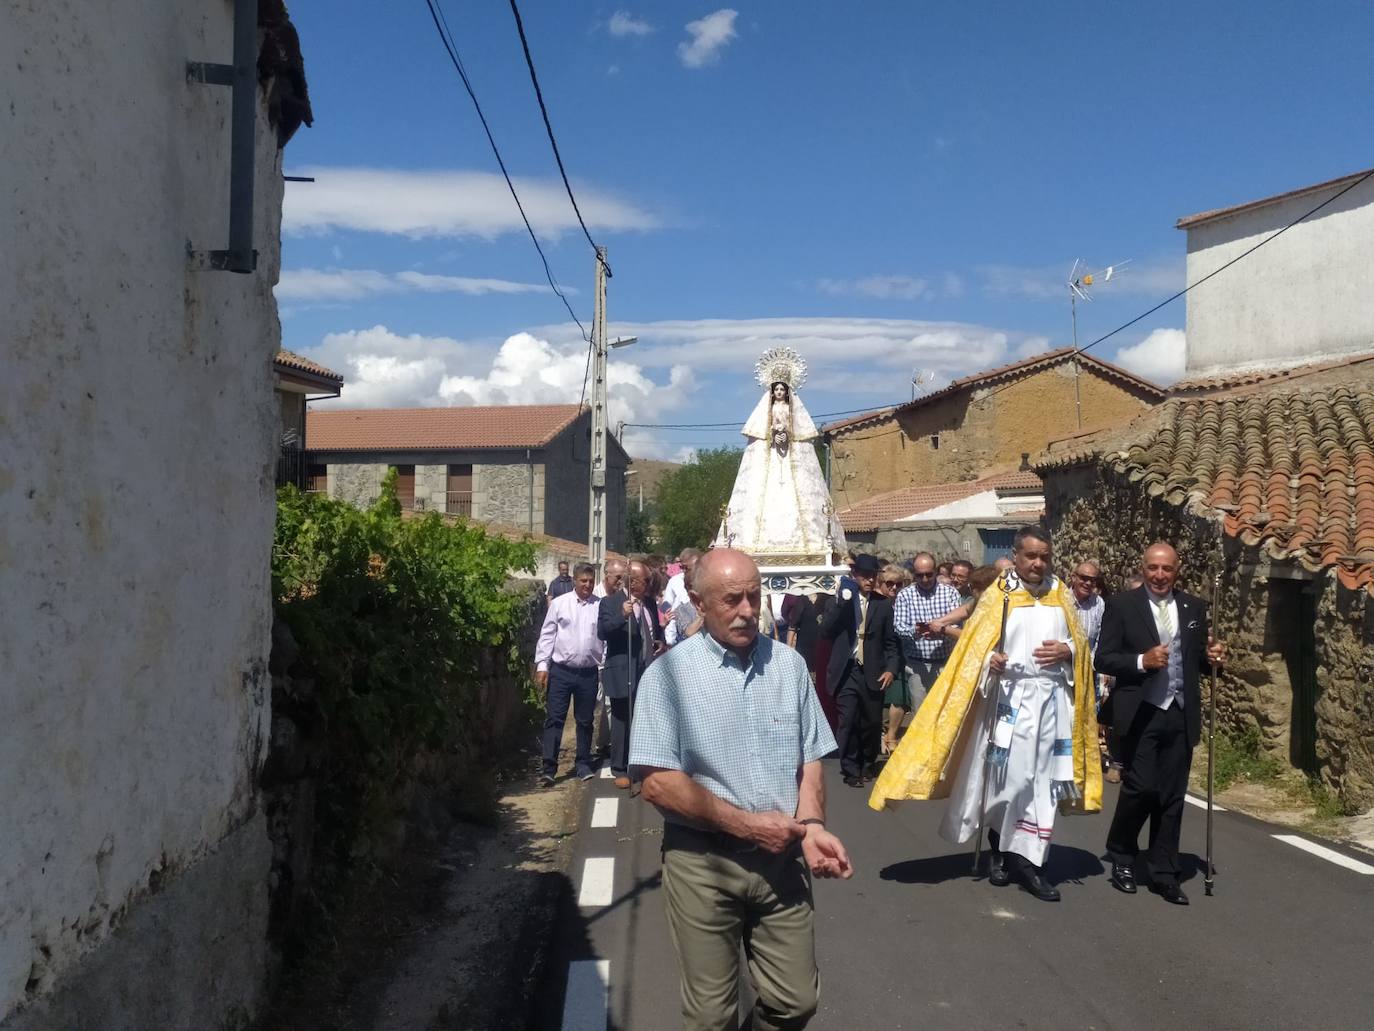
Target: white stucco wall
138	424
1306	296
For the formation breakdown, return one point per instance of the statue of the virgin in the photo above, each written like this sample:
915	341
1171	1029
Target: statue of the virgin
780	510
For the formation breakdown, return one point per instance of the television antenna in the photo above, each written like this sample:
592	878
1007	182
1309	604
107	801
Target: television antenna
919	378
1082	280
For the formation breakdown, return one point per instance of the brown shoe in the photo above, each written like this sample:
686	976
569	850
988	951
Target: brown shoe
622	783
1113	775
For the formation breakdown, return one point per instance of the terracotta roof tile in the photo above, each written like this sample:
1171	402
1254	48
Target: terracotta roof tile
1004	372
908	501
292	360
1265	378
436	429
1288	470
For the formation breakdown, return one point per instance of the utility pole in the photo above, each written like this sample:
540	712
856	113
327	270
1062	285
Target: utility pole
596	528
596	522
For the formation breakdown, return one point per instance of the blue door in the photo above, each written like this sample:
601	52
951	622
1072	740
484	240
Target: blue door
996	544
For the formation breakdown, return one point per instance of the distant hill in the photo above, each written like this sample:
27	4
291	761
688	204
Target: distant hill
651	472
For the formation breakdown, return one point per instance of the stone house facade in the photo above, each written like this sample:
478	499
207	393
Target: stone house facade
136	514
1270	486
523	467
980	423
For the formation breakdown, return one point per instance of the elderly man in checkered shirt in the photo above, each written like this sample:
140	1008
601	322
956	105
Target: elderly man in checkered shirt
728	739
925	649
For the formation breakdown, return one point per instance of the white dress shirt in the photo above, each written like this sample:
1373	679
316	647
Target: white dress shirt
568	635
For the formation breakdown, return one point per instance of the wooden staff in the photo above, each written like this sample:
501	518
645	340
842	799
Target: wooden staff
1003	582
1210	877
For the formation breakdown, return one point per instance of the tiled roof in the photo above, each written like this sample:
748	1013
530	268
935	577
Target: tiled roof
1231	381
436	429
1189	221
1004	372
291	360
1290	471
872	512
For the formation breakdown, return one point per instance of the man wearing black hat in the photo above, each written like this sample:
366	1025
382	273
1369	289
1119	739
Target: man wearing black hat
865	659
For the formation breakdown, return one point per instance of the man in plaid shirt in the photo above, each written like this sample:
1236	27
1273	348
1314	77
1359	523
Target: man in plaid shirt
924	649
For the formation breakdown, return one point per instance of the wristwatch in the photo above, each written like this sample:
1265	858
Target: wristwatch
813	819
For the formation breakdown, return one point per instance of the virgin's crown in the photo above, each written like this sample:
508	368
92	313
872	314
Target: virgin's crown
780	365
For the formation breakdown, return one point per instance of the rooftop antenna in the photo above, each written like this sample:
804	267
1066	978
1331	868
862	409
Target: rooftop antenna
919	378
1081	282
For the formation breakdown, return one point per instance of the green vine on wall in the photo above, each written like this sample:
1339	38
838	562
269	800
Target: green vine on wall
392	617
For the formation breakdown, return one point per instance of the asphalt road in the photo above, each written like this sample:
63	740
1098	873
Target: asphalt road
913	941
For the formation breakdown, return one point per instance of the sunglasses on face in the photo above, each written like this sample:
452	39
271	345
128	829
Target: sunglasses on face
1087	579
923	576
890	583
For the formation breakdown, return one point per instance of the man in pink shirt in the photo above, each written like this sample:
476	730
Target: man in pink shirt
565	662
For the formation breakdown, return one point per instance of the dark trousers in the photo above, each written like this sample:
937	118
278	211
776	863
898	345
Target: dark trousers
620	736
861	722
1156	755
578	686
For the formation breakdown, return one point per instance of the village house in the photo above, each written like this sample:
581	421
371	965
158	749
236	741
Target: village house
980	424
137	506
298	381
522	467
972	519
1261	469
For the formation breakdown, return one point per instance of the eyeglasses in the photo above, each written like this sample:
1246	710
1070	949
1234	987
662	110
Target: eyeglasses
1087	579
891	583
923	576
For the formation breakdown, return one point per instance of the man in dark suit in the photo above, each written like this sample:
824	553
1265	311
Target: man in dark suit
864	660
1155	642
626	622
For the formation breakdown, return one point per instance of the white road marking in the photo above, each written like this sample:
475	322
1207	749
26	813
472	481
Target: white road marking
1201	803
606	773
605	812
598	875
1329	854
584	1005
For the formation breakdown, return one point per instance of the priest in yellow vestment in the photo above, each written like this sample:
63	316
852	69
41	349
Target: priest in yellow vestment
1009	731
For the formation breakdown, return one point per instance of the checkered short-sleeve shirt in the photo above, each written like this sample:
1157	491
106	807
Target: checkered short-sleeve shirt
741	730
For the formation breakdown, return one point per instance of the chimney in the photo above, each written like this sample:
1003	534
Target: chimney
1025	462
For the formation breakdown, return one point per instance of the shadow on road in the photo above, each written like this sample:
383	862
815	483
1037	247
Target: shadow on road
1065	863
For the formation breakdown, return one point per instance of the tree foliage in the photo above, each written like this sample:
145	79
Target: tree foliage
690	499
393	618
639	527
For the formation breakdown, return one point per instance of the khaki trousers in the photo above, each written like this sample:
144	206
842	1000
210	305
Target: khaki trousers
718	900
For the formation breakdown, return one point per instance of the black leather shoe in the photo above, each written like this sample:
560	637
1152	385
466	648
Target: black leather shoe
998	876
1034	882
1170	893
854	782
1123	878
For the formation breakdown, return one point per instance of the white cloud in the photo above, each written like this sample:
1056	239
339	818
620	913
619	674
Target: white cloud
896	287
623	23
1159	357
708	36
858	355
337	285
1157	277
383	369
451	203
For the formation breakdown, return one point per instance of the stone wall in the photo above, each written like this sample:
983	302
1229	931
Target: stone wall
431	487
955	538
357	483
136	514
501	494
977	431
1095	514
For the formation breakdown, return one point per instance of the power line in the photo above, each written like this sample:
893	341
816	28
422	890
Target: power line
445	37
548	126
1216	271
737	425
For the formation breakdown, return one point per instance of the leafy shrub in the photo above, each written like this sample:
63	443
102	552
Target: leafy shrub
392	618
1239	757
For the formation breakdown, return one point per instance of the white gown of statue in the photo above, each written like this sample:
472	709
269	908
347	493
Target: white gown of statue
780	509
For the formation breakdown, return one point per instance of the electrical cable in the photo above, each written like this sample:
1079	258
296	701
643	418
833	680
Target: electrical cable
736	425
441	26
548	127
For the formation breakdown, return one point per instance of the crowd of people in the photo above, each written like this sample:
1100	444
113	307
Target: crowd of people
1010	690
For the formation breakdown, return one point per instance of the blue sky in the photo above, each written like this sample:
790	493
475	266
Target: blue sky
888	187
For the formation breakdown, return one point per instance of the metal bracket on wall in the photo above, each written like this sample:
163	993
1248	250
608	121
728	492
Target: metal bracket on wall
241	77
